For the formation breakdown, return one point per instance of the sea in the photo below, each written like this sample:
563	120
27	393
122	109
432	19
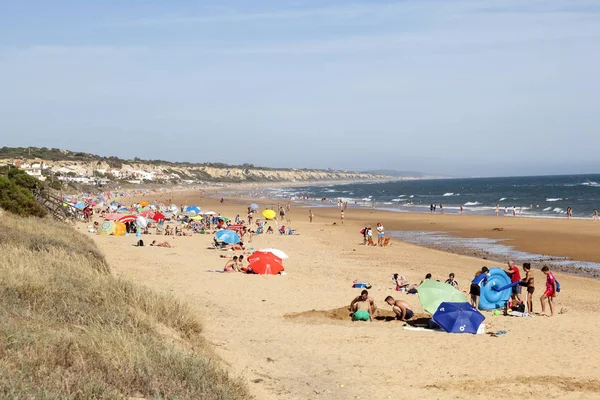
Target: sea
529	196
522	197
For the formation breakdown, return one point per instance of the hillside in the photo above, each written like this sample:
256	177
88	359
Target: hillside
77	164
71	330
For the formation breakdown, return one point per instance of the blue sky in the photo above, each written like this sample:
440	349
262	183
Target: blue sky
456	87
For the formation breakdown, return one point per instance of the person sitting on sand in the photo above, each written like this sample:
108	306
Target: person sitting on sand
270	229
475	291
363	307
231	265
451	281
401	308
161	244
400	281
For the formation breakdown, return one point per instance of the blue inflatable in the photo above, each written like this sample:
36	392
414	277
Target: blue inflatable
496	291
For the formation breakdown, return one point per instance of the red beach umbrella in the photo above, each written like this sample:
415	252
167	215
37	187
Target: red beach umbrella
265	263
128	218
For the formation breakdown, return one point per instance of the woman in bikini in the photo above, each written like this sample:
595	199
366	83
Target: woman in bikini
529	283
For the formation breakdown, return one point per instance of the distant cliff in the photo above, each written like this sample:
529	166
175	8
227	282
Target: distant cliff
65	163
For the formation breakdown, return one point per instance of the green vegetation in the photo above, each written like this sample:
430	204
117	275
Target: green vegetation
71	330
15	193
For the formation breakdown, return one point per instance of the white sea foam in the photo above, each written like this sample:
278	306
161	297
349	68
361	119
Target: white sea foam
448	194
388	203
472	203
396	200
402	195
502	199
366	199
559	210
554	199
411	196
547	208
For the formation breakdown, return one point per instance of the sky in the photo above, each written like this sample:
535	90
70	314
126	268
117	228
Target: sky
464	88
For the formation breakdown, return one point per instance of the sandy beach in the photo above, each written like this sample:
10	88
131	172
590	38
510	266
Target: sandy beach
289	339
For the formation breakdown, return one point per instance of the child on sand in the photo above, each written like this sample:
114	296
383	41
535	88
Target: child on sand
451	281
550	292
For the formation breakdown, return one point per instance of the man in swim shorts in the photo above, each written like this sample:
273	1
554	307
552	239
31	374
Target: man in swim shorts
363	307
401	308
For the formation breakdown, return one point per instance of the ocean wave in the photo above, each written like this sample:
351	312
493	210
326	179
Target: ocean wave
411	196
396	200
547	208
448	194
502	199
559	210
472	203
554	199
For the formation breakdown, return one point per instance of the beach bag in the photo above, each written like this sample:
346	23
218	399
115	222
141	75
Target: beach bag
362	231
140	243
557	285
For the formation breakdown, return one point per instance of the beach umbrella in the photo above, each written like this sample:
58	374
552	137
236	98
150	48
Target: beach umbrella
173	208
265	263
196	217
107	228
141	222
120	229
276	252
458	317
127	218
433	293
210	213
229	237
79	205
158	217
269	214
144	203
192	209
254	206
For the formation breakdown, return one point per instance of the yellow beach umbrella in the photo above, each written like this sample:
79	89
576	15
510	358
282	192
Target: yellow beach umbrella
120	229
144	203
107	228
269	214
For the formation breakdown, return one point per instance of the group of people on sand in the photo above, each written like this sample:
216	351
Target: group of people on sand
528	281
367	233
363	308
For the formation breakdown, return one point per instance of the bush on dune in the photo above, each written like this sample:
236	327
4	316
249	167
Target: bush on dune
70	330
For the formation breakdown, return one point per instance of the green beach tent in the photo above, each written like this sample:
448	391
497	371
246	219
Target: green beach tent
433	293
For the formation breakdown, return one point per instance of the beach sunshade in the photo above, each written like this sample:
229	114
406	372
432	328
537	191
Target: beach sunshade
158	217
196	217
254	206
265	263
144	203
113	216
192	209
141	222
276	252
120	229
107	228
458	317
127	218
433	293
269	214
227	236
210	213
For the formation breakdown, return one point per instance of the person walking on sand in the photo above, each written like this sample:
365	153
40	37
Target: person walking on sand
475	290
461	209
431	209
342	216
310	215
363	307
514	211
380	234
515	276
401	308
595	215
441	208
497	209
550	292
529	283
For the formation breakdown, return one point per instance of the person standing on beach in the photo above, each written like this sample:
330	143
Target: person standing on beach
514	211
515	276
342	216
528	282
595	215
441	208
550	292
497	209
310	215
461	210
431	209
380	234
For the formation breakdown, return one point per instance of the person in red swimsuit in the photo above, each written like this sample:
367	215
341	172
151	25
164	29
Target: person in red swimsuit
550	292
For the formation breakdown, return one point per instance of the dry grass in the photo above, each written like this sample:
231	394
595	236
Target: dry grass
70	330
